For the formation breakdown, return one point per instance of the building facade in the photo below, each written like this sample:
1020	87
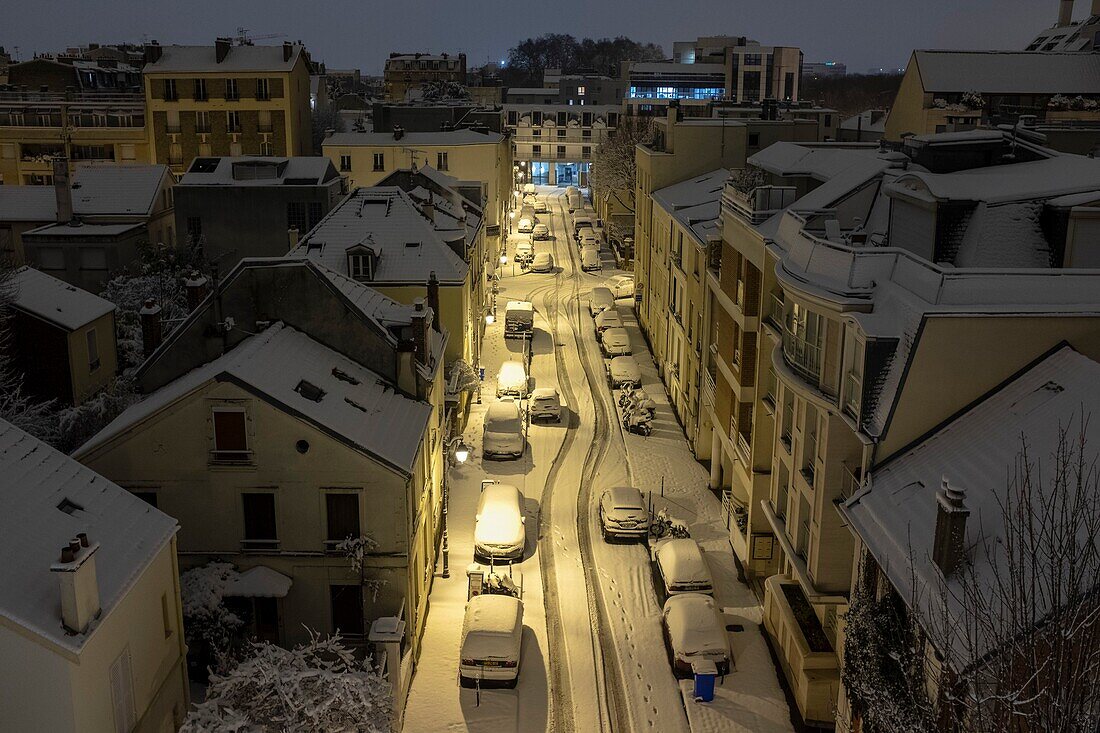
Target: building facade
405	72
554	144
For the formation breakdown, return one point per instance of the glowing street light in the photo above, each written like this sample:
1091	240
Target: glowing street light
490	319
504	259
462	452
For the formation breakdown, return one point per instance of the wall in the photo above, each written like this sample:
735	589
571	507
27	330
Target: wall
38	679
121	253
41	352
85	380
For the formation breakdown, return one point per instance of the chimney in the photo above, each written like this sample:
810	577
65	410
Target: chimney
195	287
433	300
951	514
77	580
398	132
150	327
288	50
152	52
421	327
221	49
428	208
1065	12
672	115
62	190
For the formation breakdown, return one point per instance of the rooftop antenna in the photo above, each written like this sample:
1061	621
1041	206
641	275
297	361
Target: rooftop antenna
244	39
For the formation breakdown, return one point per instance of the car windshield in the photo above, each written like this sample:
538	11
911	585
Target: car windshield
506	425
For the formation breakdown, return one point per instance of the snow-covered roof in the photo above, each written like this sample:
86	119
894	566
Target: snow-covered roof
1008	72
445	138
895	514
84	230
695	203
365	412
259	582
98	190
1065	37
46	499
245	58
55	300
298	171
819	161
1036	179
386	221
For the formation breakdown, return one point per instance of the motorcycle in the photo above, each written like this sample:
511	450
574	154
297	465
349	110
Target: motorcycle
638	422
636	398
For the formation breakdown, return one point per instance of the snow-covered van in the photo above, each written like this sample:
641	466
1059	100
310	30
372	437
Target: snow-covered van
512	380
519	319
682	567
590	259
492	636
502	432
599	300
574	200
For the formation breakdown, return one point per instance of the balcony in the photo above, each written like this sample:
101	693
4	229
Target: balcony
744	450
677	258
757	205
853	393
775	311
802	355
851	481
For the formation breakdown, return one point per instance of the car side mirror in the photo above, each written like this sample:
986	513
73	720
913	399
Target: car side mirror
523	520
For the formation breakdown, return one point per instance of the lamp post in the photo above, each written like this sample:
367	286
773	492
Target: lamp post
457	449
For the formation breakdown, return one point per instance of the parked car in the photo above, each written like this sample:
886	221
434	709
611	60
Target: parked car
694	630
609	318
492	638
584	232
502	431
599	300
519	319
499	532
681	567
540	231
581	223
512	380
615	342
529	188
590	259
525	251
529	199
526	224
622	286
545	404
541	207
623	370
543	262
622	513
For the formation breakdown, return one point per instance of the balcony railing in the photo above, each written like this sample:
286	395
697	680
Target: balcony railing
853	394
775	311
759	204
852	479
741	294
744	450
802	355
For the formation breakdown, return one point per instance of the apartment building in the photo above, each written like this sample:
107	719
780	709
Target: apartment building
91	625
254	433
554	143
571	89
1082	36
227	100
405	72
883	293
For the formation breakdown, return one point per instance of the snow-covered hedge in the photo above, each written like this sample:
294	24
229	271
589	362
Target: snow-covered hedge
206	620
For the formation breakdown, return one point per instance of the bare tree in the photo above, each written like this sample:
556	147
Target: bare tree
614	168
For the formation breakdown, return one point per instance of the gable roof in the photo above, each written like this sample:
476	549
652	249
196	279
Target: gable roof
366	414
240	58
98	190
55	300
1009	72
34	480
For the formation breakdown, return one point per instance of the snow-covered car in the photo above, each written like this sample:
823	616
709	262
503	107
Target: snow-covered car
543	262
623	513
615	342
545	404
681	567
525	251
623	370
526	224
499	532
584	231
492	636
622	286
590	258
540	231
599	300
694	631
541	207
502	432
529	199
529	188
609	318
512	380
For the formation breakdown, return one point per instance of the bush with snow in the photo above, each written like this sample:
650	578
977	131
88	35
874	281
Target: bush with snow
317	686
208	625
76	425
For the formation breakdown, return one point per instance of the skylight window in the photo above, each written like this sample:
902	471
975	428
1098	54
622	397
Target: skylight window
344	376
69	506
309	391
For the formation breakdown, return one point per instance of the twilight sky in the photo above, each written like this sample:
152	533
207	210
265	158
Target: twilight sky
346	34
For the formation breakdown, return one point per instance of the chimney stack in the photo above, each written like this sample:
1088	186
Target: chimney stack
221	49
150	327
153	52
949	544
421	326
79	588
429	208
1065	12
195	287
433	300
63	190
288	50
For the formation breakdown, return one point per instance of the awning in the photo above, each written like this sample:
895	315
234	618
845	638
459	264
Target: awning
259	582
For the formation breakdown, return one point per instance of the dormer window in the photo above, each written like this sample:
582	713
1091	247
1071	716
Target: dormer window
362	263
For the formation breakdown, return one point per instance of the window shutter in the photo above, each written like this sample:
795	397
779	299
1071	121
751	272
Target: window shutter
122	692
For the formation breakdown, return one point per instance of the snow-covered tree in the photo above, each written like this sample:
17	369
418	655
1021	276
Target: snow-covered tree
209	627
317	686
749	178
435	91
356	549
614	170
76	425
462	377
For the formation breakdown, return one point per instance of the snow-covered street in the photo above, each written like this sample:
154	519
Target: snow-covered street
593	655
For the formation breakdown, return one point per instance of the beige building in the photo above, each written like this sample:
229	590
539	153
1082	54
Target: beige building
405	72
301	408
91	627
226	100
553	143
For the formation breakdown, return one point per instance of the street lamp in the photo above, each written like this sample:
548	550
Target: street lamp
489	319
456	448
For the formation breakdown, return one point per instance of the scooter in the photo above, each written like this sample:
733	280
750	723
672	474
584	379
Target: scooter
638	422
637	399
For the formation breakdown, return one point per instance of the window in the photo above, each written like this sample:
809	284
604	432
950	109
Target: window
166	615
536	132
380	161
754	139
513	117
232	91
441	161
263	92
347	609
122	692
267	149
202	122
752	59
561	132
342	513
751	85
580	91
233	121
200	90
802	541
263	120
359	266
781	491
93	350
315	213
259	521
172	119
194	227
586	151
345	162
586	134
170	94
51	258
296	216
561	151
93	258
230	435
536	151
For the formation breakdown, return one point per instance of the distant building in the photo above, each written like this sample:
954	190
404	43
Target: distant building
816	69
91	626
866	127
405	72
253	207
1066	35
574	89
554	143
227	100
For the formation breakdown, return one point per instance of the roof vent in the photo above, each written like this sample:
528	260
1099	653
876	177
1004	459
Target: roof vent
69	506
310	391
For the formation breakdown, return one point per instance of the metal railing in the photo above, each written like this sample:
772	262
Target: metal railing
852	479
801	355
775	311
744	450
853	394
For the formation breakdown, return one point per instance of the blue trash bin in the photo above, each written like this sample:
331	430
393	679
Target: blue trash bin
705	672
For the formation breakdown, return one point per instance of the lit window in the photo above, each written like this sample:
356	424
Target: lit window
580	91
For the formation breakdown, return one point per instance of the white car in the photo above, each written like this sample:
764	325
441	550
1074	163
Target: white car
529	199
599	300
499	532
492	641
682	567
623	370
545	404
623	513
541	207
529	188
502	433
512	380
615	342
622	286
540	231
695	631
609	318
525	251
590	259
543	262
526	224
